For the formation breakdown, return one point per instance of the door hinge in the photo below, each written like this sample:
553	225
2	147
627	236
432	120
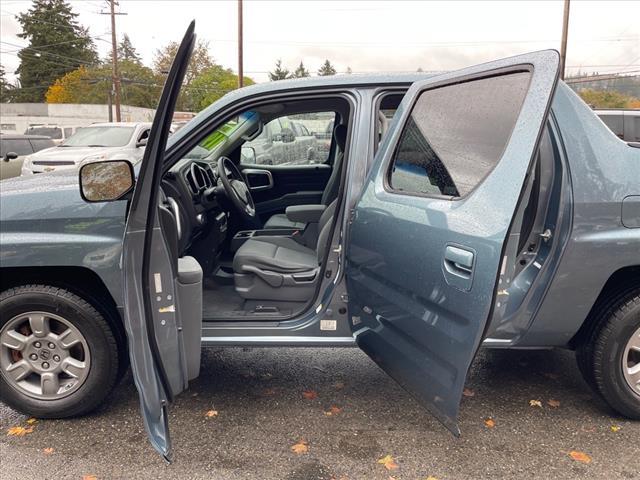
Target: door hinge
352	215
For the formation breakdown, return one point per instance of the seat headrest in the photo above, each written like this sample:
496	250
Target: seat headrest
340	134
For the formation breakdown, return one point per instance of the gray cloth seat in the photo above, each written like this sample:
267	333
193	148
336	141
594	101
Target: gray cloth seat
277	254
330	192
280	268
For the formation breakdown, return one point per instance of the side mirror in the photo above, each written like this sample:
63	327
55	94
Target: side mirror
248	155
10	156
106	181
141	143
287	135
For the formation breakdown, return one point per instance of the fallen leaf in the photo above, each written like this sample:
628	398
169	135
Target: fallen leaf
211	413
588	428
388	462
615	428
301	447
467	392
334	410
580	456
269	392
194	394
31	421
490	422
310	394
48	451
19	431
553	403
535	403
431	478
338	385
552	376
89	477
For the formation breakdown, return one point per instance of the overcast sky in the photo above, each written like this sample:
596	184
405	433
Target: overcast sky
604	36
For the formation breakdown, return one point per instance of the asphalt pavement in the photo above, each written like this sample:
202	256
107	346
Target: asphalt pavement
526	414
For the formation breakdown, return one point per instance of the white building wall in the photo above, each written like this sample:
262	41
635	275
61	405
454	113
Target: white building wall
17	117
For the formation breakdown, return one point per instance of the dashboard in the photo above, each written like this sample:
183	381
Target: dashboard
193	186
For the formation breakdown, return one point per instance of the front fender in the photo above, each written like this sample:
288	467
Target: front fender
56	228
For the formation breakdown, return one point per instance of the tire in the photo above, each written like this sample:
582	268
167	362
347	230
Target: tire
600	358
94	343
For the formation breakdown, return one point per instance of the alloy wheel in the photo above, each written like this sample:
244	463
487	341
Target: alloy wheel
43	355
631	362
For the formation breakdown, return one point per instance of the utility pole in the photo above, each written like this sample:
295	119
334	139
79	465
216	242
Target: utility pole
240	69
114	57
563	46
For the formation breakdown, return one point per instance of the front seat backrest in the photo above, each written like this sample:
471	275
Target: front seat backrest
333	185
324	227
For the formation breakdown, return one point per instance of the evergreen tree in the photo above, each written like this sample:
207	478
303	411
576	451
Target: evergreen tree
326	69
126	52
301	71
280	72
57	45
5	87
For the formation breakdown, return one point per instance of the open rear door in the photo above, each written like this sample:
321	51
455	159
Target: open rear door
159	305
425	248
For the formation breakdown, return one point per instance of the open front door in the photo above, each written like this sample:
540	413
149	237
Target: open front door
428	233
160	302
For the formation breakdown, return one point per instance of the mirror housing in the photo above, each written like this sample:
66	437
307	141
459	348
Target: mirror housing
248	155
106	181
287	135
10	156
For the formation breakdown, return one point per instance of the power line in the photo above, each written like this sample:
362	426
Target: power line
43	52
96	37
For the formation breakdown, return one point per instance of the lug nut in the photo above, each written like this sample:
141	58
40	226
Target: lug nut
52	345
45	365
56	358
33	356
37	344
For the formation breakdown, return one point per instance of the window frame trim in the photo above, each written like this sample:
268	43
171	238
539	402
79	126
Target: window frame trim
389	162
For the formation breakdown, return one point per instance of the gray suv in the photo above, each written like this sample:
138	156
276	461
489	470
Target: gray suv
465	222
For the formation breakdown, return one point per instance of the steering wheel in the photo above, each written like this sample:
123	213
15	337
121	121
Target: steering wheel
236	188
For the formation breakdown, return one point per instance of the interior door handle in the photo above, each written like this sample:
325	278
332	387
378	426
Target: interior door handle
458	261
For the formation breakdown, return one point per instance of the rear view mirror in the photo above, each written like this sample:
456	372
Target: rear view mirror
106	181
141	143
10	156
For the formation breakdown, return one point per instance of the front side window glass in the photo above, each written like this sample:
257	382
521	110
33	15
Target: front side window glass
19	146
455	135
299	139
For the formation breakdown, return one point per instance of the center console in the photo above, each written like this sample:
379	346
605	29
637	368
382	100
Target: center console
243	235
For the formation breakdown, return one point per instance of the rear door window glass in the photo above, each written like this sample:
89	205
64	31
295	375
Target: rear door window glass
455	135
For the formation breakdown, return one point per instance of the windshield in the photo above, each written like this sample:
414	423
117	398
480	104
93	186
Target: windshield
238	125
107	136
51	132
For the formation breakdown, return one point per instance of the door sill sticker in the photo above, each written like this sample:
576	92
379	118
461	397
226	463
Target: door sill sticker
157	279
328	324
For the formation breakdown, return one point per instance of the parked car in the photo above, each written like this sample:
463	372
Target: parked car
282	141
14	148
56	133
98	141
624	123
470	226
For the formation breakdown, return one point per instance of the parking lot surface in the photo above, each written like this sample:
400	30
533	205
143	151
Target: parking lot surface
524	414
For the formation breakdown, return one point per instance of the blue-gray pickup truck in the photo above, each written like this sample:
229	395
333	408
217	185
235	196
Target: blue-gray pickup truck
493	210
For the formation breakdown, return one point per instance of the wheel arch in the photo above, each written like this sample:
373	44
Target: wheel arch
81	281
619	283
